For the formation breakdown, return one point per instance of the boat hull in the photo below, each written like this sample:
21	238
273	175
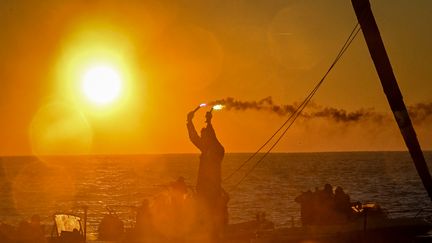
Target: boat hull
388	230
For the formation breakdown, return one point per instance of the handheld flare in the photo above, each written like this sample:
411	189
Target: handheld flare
198	107
217	107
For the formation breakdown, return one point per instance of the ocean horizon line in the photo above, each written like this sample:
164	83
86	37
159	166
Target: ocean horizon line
197	153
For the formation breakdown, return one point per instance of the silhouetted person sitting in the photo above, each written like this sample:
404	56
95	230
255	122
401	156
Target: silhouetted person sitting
224	207
31	231
8	233
307	211
324	204
24	232
209	189
342	202
110	227
179	186
143	219
37	229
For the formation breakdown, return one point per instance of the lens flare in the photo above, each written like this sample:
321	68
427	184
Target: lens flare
59	128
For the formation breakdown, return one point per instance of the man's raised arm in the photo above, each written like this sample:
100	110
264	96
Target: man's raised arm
193	135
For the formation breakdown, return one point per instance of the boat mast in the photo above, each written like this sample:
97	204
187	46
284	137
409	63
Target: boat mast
391	89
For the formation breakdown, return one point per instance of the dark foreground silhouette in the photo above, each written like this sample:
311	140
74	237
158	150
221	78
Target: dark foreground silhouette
212	199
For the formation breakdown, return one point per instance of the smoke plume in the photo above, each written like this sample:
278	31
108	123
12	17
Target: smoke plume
418	112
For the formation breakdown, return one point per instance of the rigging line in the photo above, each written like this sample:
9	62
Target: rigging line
344	47
298	111
254	154
268	151
297	114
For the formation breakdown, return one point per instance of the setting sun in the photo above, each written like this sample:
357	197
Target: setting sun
101	84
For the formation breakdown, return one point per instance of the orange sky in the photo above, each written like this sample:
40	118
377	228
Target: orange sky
176	56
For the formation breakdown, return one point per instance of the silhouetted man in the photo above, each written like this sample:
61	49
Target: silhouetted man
209	189
307	210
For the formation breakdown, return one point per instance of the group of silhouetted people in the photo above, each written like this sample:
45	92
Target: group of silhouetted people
165	217
325	207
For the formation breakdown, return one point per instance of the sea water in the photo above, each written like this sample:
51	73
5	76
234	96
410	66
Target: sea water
117	184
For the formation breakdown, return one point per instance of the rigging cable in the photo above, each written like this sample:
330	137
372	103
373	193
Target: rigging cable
292	115
295	114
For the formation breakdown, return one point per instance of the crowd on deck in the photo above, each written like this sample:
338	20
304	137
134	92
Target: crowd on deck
324	207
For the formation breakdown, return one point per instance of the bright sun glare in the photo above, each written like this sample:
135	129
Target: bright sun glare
102	84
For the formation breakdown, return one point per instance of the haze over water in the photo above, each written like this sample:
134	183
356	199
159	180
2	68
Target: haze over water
62	184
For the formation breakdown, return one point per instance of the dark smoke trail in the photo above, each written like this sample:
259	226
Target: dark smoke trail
340	115
264	104
418	112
